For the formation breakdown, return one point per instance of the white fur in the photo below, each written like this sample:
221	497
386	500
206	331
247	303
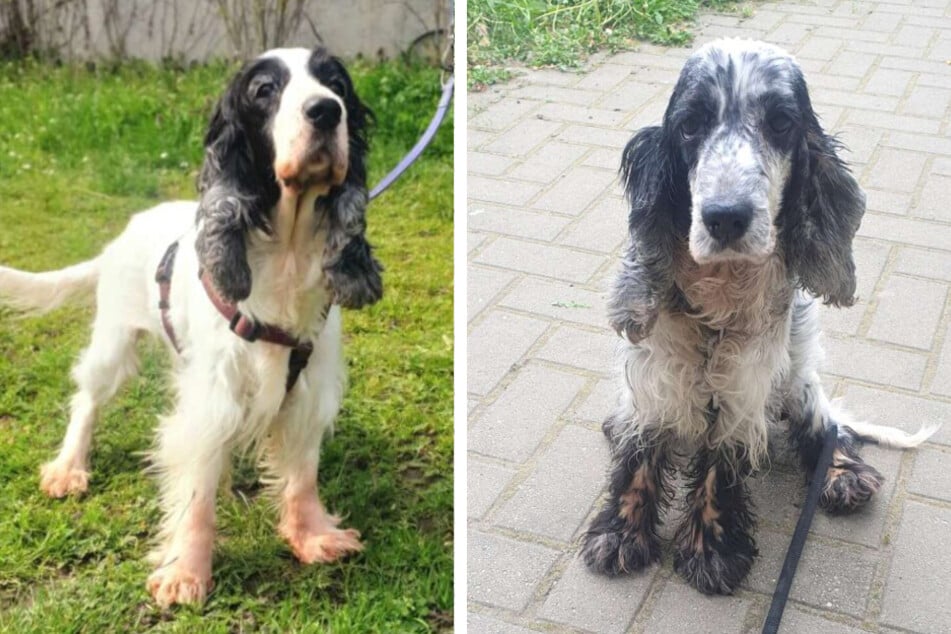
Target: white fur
230	393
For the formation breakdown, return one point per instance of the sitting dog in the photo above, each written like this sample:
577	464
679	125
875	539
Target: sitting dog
742	215
275	241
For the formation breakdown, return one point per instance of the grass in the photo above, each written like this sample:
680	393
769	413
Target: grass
560	33
80	150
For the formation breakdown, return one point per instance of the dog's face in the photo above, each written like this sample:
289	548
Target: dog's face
737	114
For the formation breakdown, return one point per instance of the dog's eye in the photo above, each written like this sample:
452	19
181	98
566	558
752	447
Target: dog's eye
691	126
265	90
338	86
780	123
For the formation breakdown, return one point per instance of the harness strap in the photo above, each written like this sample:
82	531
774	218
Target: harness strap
240	324
163	275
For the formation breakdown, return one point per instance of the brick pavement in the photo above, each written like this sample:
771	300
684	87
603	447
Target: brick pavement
545	221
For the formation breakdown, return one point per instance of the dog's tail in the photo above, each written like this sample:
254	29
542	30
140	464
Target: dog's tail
36	293
890	436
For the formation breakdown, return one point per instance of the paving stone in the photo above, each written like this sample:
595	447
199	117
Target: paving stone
554	94
488	164
935	201
908	311
912	35
845	321
917	232
851	64
548	76
576	190
593	602
888	121
540	259
933	264
628	96
763	19
603	227
853	34
598	405
870	258
558	300
503	571
886	81
503	114
681	608
605	77
905	412
495	344
831	577
797	621
593	136
925	101
919	143
484	483
485	624
789	34
819	48
558	494
874	363
916	591
845	98
932	474
477	138
512	426
609	159
941	384
889	202
581	349
580	114
548	162
897	170
860	142
481	286
496	190
515	222
522	137
474	241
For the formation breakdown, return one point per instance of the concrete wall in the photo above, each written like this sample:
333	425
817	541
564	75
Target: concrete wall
194	30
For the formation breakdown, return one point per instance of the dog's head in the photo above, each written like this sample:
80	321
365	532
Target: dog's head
289	124
741	168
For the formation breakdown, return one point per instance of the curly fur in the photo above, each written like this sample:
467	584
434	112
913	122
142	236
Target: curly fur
721	334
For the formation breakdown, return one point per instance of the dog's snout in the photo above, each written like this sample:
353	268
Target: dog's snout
727	222
323	112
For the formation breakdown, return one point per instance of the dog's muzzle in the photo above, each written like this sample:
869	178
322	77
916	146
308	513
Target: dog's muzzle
726	222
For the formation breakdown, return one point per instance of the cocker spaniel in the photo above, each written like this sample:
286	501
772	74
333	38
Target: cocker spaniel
742	218
250	283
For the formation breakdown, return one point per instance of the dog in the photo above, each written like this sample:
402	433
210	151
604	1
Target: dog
272	249
741	220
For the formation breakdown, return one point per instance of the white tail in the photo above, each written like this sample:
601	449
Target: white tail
890	436
37	293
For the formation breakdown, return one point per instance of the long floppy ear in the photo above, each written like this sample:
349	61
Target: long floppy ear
818	237
653	185
353	272
235	187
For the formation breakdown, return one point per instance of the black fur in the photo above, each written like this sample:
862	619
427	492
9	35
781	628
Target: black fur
623	537
726	545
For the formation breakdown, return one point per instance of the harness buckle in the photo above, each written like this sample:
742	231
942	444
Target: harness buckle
245	328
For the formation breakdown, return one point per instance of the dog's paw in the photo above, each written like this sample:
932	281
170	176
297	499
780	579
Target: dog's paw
355	275
716	570
326	546
175	585
59	480
849	485
610	550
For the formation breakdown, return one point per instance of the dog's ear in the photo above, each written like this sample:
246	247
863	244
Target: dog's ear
231	199
655	189
829	209
353	272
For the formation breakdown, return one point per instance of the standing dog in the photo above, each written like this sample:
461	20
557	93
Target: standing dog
742	215
275	240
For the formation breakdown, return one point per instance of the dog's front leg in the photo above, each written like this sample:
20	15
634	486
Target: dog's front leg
189	459
714	544
293	456
623	537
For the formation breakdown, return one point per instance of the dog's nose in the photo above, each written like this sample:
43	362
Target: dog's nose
727	222
323	112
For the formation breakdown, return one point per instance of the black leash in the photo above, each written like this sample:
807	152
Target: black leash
781	594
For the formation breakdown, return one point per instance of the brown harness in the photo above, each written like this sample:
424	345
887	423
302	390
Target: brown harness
240	324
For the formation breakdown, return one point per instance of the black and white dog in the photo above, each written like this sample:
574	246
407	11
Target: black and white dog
275	244
742	215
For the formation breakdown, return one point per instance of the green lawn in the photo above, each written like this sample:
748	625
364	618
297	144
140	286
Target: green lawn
561	33
80	150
